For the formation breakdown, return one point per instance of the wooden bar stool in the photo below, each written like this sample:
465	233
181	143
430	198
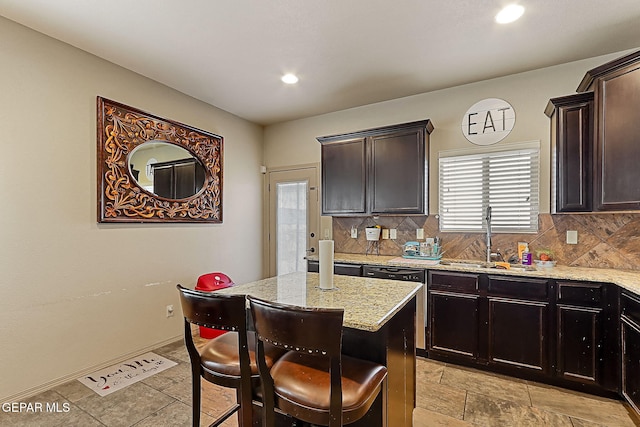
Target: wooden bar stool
228	360
313	382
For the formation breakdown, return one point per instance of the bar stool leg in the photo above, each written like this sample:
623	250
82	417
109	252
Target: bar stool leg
195	385
245	409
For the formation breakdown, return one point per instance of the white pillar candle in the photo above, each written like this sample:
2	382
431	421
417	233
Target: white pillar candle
326	264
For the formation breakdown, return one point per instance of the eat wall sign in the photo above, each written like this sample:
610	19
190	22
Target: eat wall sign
488	121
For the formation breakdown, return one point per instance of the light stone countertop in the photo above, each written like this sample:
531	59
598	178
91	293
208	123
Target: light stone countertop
626	279
368	303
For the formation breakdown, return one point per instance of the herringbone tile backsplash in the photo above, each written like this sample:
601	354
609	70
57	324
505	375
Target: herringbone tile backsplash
610	240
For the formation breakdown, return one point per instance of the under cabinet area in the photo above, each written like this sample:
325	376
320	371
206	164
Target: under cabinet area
559	332
376	171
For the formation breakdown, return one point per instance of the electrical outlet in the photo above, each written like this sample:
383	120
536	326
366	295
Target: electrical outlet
170	310
354	233
385	233
393	233
572	237
419	233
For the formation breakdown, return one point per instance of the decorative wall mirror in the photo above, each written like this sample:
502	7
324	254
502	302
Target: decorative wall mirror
152	169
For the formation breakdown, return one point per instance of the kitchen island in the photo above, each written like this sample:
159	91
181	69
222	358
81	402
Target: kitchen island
379	325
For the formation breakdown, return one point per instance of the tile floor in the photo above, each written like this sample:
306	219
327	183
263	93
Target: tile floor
447	396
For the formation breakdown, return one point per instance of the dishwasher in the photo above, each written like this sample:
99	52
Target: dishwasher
407	275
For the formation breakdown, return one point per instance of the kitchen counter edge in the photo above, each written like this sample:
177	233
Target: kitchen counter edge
626	279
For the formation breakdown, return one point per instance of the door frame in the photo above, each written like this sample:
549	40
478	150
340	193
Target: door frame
314	192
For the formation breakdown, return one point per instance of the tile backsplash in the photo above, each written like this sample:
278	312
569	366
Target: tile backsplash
608	240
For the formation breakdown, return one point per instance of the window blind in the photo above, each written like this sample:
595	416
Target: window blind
508	181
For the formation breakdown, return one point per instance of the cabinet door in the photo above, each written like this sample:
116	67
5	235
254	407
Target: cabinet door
571	152
630	334
517	331
185	180
454	324
344	177
163	182
398	172
618	140
579	343
631	363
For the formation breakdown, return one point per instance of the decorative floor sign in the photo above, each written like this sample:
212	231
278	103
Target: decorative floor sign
117	377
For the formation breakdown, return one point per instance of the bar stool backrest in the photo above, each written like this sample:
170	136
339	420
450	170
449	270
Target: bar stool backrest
312	331
217	311
228	313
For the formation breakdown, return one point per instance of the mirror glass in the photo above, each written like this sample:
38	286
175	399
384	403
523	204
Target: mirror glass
166	170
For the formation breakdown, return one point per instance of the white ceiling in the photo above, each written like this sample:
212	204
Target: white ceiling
347	53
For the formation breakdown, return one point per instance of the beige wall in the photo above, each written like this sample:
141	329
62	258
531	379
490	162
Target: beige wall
75	294
294	142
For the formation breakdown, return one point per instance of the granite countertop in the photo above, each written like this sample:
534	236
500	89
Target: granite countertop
368	303
627	279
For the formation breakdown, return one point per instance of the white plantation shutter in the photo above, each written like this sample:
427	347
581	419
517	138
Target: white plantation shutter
508	181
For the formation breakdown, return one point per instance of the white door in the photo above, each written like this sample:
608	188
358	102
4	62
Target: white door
293	218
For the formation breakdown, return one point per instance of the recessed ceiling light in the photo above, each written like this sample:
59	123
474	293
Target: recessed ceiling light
289	79
509	14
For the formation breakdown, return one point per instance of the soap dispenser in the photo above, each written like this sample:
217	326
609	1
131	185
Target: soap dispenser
526	255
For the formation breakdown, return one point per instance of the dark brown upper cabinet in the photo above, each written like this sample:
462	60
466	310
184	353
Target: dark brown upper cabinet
571	152
376	171
616	126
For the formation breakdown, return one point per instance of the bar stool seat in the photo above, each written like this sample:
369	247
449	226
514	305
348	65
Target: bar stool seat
302	381
221	355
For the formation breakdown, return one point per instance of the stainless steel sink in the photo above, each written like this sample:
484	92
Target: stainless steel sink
484	265
468	264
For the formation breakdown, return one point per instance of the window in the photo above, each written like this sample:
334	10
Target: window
291	226
505	180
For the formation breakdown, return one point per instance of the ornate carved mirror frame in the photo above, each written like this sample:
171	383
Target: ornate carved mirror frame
121	199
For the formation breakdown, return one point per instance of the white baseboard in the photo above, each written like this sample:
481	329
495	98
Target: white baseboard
22	396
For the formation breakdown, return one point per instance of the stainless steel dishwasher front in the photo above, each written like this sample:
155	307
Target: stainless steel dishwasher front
407	275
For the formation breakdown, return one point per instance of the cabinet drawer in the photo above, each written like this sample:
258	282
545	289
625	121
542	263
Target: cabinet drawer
461	282
343	269
630	307
518	287
580	293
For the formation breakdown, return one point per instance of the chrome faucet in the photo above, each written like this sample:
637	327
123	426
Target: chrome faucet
488	218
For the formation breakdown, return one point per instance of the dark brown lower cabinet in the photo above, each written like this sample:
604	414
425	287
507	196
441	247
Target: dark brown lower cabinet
455	320
560	332
630	334
587	334
453	309
579	343
518	323
580	316
518	334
